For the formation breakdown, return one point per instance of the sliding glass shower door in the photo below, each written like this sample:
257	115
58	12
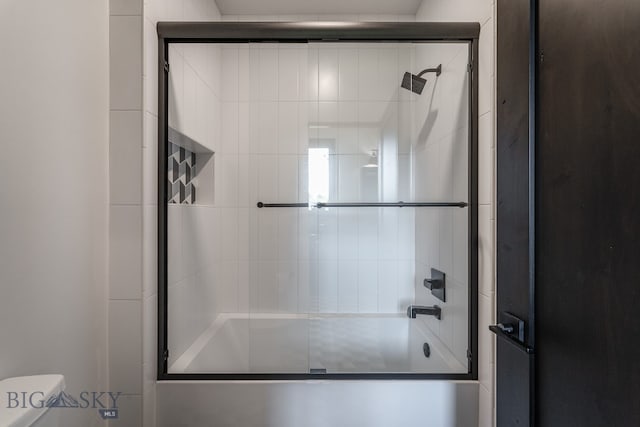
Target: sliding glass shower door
312	188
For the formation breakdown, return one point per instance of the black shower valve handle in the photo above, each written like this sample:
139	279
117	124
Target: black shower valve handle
432	284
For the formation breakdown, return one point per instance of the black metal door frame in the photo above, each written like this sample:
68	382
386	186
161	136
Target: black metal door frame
304	32
516	214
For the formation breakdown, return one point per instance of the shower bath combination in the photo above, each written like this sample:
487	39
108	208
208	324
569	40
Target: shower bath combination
415	83
331	207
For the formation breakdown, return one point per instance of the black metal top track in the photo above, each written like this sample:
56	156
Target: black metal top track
239	32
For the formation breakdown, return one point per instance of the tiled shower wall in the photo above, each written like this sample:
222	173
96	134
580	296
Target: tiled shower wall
441	130
195	91
279	101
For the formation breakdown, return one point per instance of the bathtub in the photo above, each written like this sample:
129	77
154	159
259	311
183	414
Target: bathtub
335	343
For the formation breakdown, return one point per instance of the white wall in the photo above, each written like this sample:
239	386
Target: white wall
481	11
53	244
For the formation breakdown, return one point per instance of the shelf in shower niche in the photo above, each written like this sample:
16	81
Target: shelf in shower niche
190	170
180	139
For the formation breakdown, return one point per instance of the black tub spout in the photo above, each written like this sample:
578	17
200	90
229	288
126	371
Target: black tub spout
414	310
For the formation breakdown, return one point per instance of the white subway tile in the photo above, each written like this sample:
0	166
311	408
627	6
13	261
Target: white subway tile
288	80
230	128
486	407
149	340
348	74
486	251
244	268
125	346
328	74
287	178
125	59
268	178
230	74
388	234
287	247
174	244
486	339
125	252
328	285
347	286
348	128
287	280
349	177
150	69
406	233
367	286
247	180
368	89
149	251
348	234
267	136
268	237
268	286
226	180
244	123
125	157
227	286
288	127
368	233
388	286
328	234
176	89
190	93
268	77
388	74
406	280
485	159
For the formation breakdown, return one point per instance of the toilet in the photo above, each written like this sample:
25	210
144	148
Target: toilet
18	410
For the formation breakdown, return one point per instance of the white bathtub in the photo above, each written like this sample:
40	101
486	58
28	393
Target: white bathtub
338	343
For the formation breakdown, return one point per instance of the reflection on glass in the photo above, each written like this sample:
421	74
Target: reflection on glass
318	176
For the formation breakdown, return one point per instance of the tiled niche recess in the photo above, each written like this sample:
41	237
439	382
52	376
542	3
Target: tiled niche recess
190	171
182	170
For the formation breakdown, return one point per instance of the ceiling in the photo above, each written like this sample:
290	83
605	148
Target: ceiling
318	7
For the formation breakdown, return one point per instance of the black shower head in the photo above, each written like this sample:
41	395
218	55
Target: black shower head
415	83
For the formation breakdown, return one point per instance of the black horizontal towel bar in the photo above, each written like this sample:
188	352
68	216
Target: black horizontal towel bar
366	205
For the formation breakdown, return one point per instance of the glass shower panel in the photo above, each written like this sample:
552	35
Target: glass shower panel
280	272
288	251
209	211
386	144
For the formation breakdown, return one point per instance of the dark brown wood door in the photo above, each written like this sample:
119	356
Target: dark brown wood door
588	214
568	234
514	358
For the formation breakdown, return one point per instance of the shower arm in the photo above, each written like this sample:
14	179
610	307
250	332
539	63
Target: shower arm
437	70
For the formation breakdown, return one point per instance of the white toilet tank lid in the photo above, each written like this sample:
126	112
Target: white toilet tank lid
48	385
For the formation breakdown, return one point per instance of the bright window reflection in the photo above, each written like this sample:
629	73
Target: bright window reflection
318	175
